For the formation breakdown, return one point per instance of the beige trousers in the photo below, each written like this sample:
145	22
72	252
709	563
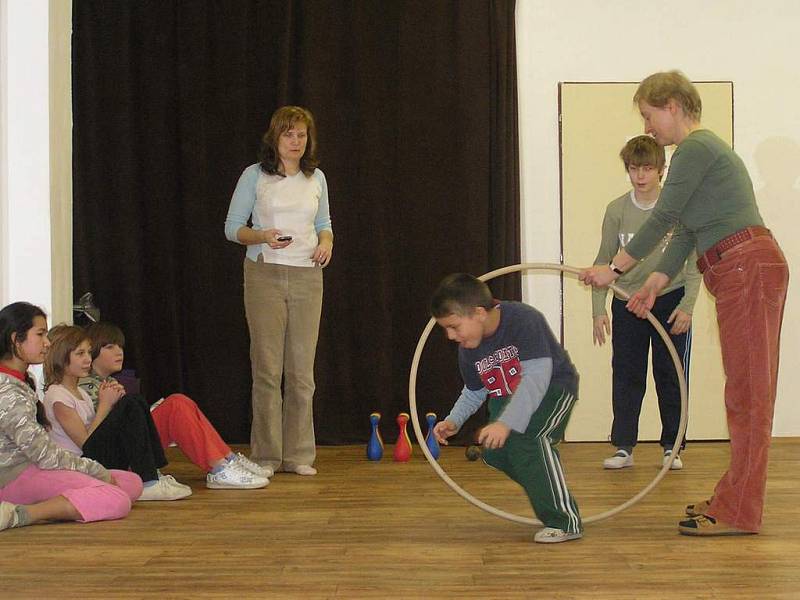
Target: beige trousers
283	306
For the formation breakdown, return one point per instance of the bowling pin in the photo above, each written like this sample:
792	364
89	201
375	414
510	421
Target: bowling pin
402	449
430	439
375	445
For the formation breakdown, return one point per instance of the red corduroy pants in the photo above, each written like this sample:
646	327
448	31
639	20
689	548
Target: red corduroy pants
749	285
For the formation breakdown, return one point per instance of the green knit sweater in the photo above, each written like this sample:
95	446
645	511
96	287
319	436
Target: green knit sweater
707	196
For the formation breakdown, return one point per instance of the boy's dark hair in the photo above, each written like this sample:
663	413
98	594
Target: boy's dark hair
643	151
460	294
104	333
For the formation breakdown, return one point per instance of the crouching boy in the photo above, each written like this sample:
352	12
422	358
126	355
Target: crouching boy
508	354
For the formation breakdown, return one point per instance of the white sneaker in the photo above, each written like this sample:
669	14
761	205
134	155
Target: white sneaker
252	466
677	464
8	515
172	482
234	477
551	535
302	470
164	490
620	460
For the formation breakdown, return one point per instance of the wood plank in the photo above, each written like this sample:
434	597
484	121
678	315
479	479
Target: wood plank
377	530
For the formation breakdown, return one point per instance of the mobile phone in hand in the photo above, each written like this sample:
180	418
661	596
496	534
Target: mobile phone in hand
284	238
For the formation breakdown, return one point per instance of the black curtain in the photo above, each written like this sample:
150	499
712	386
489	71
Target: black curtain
415	103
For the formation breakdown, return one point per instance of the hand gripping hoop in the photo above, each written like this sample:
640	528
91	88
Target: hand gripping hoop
412	401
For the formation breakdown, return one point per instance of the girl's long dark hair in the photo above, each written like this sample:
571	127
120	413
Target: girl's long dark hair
17	318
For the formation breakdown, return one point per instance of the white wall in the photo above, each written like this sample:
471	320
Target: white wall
35	192
753	44
26	156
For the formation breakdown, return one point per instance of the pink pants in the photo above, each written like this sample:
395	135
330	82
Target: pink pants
749	286
95	500
179	420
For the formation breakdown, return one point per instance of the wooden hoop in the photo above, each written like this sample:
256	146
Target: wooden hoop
412	401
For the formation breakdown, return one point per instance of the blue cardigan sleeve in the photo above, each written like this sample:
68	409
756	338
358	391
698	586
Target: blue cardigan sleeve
323	218
242	202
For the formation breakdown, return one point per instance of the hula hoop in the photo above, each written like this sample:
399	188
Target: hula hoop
412	401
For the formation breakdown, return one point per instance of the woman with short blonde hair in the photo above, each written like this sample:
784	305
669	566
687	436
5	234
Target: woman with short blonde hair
708	198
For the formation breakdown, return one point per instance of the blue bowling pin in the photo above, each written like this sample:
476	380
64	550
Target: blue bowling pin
430	439
375	445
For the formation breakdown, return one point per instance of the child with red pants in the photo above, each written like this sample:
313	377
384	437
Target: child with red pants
177	418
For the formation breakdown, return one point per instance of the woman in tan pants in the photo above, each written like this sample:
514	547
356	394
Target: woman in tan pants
286	198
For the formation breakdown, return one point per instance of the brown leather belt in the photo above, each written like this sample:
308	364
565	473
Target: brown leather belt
714	254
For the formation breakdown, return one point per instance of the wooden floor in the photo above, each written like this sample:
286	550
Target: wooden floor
394	530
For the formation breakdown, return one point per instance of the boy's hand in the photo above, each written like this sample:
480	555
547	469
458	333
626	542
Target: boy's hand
601	327
109	392
494	435
681	321
443	430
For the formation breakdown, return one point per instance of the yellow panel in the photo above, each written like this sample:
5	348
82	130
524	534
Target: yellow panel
597	119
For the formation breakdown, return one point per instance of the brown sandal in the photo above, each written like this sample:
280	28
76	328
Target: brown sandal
695	510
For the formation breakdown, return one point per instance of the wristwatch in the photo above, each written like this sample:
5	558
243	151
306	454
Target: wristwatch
615	268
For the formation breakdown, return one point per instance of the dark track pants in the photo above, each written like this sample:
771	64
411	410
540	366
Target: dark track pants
631	339
532	460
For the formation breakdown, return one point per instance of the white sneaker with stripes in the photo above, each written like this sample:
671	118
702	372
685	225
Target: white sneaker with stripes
234	477
252	466
551	535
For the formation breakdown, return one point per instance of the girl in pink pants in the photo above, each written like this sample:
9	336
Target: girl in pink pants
40	481
93	499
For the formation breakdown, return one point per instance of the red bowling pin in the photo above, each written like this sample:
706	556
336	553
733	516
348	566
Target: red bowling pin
402	449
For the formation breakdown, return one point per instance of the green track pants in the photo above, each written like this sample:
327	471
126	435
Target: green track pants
532	460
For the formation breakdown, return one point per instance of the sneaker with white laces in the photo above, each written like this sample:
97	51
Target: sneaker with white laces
620	460
252	466
677	464
234	477
164	490
172	482
8	515
551	535
301	470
